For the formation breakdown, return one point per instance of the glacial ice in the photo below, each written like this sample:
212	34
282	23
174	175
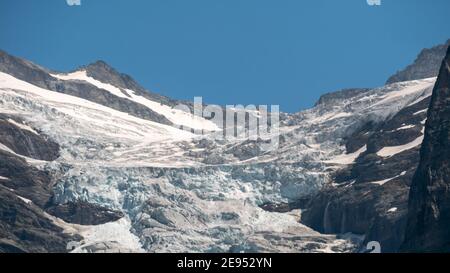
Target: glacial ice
175	202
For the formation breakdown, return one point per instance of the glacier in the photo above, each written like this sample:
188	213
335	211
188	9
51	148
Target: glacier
175	200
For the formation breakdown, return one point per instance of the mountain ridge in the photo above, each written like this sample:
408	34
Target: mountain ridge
175	191
429	205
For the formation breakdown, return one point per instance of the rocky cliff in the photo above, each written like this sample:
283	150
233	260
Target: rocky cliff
76	150
429	201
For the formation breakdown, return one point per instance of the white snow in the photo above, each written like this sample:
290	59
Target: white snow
420	112
176	116
382	182
391	151
103	116
409	90
406	127
3	178
392	210
23	126
6	149
125	162
26	201
82	76
117	232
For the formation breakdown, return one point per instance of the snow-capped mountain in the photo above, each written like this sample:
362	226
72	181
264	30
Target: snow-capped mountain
91	159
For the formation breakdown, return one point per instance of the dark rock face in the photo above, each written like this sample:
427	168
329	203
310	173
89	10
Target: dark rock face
355	204
429	203
105	73
340	95
361	209
83	213
26	181
285	207
426	65
26	193
24	227
25	142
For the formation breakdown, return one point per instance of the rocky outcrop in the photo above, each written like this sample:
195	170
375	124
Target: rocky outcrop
83	213
370	197
426	65
25	142
25	228
103	72
429	201
329	98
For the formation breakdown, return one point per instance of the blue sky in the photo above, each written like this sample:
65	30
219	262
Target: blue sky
285	52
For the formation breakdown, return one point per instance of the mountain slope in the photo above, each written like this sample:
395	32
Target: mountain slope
157	188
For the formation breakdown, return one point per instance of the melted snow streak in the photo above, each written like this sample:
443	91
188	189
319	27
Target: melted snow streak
173	200
23	126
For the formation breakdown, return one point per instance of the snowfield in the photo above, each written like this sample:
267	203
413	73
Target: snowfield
174	200
176	116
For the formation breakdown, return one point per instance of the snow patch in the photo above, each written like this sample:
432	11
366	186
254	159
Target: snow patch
393	150
26	201
6	149
104	116
406	127
392	210
118	232
382	182
176	116
409	90
420	112
82	76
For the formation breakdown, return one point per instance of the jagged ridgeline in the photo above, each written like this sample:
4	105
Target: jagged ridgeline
429	200
90	161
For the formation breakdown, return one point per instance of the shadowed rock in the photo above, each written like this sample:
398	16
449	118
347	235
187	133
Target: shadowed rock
429	202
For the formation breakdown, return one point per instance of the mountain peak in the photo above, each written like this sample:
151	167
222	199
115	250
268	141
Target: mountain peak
104	72
100	65
426	65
